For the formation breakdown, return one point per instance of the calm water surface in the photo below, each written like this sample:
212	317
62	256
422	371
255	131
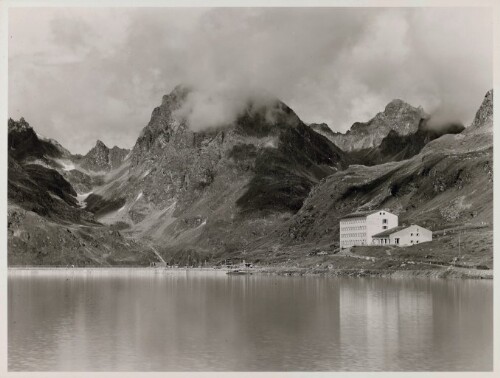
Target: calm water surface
138	320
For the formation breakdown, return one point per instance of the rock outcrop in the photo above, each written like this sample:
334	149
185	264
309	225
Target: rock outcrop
103	159
483	121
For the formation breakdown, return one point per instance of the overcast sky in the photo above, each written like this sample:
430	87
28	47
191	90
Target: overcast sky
78	75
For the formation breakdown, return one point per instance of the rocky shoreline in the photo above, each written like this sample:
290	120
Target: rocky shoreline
445	273
452	273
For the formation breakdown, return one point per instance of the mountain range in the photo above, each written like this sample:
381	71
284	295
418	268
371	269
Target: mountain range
265	187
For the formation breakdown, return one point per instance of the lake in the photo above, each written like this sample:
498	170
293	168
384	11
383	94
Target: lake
165	320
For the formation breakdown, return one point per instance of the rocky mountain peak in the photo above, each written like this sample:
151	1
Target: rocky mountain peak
401	117
261	116
102	158
484	115
25	144
397	116
397	105
100	145
162	125
18	126
175	98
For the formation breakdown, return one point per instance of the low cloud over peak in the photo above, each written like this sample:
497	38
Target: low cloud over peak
84	74
219	104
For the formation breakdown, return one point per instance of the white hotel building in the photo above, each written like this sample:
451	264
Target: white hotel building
358	228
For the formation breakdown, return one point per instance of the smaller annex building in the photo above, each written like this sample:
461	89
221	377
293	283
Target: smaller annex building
403	236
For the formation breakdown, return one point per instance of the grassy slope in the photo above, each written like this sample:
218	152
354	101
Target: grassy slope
448	184
439	258
34	240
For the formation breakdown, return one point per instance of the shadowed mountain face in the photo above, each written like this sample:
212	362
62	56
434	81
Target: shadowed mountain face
284	174
43	191
37	187
396	147
24	143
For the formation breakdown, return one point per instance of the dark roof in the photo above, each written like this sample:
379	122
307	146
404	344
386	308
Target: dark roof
359	214
388	232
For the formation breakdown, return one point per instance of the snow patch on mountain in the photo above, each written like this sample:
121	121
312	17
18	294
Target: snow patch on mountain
82	197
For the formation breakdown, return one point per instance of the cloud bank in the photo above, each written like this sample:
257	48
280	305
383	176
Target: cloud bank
84	74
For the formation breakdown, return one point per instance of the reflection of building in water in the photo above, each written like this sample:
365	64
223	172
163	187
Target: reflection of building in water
415	323
468	307
383	323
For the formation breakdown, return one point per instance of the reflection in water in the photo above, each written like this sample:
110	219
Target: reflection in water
432	325
119	319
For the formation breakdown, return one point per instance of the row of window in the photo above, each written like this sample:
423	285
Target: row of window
384	241
352	228
353	234
396	241
361	241
353	221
